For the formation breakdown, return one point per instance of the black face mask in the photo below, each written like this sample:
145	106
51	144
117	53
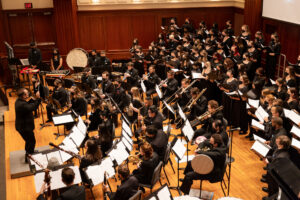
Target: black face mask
257	38
286	74
298	62
272	40
243	31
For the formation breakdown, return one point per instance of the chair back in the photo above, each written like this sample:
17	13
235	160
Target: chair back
167	154
202	164
136	196
156	173
168	130
225	123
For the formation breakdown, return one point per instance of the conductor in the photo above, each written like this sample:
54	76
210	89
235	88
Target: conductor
24	122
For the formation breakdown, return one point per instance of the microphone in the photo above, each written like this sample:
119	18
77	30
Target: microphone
235	129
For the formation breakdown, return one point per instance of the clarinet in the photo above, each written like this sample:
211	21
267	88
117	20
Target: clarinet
66	151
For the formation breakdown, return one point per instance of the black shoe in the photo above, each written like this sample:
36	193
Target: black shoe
265	198
49	120
142	189
265	189
251	138
264	176
172	121
263	180
265	167
181	179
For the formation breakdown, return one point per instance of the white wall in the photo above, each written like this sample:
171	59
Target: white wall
285	10
19	4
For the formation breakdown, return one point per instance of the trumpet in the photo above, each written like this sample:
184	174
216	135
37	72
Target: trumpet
135	159
162	82
196	121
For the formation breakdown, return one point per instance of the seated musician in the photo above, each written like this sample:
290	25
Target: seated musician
119	95
93	59
59	96
149	162
106	85
129	185
94	119
158	140
217	152
78	102
93	154
72	191
88	79
56	60
131	76
211	116
104	62
199	106
151	80
144	110
169	88
105	133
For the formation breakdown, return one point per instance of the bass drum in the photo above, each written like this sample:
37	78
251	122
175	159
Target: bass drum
77	58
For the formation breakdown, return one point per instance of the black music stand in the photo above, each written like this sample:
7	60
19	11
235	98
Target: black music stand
43	124
57	122
156	195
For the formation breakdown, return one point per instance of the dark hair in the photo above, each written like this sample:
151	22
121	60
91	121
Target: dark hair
123	170
284	141
217	139
277	120
218	123
67	175
147	149
153	109
194	90
93	152
21	92
151	130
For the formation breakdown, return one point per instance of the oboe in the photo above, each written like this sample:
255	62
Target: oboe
66	151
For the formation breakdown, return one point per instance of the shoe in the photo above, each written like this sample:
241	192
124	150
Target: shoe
49	120
142	189
181	179
264	176
265	167
172	121
265	189
265	198
251	138
263	180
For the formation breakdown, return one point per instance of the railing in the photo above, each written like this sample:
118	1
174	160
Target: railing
281	65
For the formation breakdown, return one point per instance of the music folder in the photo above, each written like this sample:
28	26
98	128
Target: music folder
188	130
159	93
196	75
25	62
260	148
169	107
257	124
295	143
143	86
296	131
261	114
181	113
62	119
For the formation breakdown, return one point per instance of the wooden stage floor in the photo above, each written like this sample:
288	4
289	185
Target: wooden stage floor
245	175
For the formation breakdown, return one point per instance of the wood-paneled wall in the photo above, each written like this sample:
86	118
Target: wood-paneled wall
252	15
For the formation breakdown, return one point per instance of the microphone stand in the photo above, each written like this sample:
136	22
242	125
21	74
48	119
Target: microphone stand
43	124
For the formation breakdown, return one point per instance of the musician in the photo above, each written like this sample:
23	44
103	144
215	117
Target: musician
217	152
293	100
104	62
138	60
93	154
154	118
151	80
275	131
94	60
129	185
34	55
158	140
135	104
24	122
119	95
106	85
273	51
144	110
283	144
212	106
94	119
78	102
59	96
105	132
199	106
88	79
56	60
131	75
72	191
145	169
290	77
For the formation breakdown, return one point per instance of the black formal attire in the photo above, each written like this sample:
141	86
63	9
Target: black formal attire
108	87
156	121
61	95
198	108
271	61
159	143
126	190
145	171
106	136
79	105
56	62
74	192
133	79
34	56
172	85
153	80
25	122
104	64
218	155
94	61
89	80
121	98
95	120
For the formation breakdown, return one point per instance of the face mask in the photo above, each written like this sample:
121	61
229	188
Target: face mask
243	31
286	74
272	40
257	38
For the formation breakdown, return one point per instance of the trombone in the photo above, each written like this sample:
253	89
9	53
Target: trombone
135	159
193	101
182	90
202	117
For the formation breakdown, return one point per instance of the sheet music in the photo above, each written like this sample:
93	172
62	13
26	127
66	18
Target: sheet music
261	114
184	158
260	148
165	128
126	128
293	116
257	124
231	93
295	143
69	143
81	126
127	144
77	136
272	81
143	86
95	173
119	155
181	113
56	155
62	119
197	75
25	62
158	91
286	112
108	166
253	103
153	198
65	156
99	78
188	130
127	137
259	138
41	158
164	194
125	119
247	106
169	107
179	149
296	131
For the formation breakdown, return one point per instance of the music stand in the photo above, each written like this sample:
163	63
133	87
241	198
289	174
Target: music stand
62	119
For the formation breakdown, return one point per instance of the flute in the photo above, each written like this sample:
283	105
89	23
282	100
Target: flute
66	151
